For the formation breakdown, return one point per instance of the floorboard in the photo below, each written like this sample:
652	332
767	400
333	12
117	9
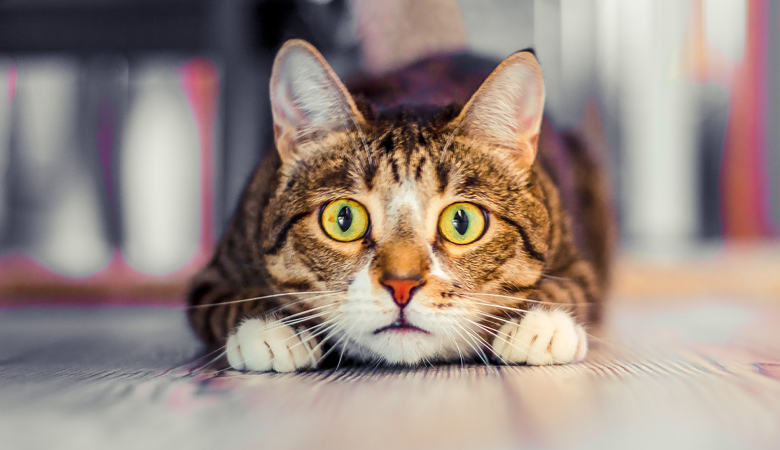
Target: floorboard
677	375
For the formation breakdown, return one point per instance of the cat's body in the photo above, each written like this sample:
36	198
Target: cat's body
366	216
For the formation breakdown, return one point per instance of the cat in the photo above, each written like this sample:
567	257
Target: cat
431	215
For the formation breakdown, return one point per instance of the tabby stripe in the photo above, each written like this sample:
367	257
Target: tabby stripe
369	172
509	288
418	174
281	238
394	167
443	176
529	247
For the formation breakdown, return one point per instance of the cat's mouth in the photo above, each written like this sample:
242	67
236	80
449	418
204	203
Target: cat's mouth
401	325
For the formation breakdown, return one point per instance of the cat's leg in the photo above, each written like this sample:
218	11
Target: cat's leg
541	337
270	345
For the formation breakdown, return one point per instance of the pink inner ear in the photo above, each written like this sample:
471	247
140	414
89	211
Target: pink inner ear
507	109
526	116
287	110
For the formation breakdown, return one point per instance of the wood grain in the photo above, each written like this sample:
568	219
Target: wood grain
687	375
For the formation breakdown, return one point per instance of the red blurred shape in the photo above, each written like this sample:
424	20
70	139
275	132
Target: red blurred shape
744	189
201	84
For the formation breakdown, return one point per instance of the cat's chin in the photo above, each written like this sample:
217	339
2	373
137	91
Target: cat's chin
406	346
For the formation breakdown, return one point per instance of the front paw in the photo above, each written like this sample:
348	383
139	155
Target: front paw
541	338
263	346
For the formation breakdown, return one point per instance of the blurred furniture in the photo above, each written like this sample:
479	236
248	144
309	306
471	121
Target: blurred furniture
112	58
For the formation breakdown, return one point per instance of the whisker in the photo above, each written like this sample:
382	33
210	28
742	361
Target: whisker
374	367
221	354
511	297
303	319
343	348
287	320
319	326
457	347
335	345
331	330
499	332
449	140
209	305
505	320
293	303
479	353
477	338
311	353
276	324
352	138
501	320
557	278
507	339
314	331
507	308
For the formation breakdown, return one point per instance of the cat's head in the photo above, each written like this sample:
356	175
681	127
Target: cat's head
405	223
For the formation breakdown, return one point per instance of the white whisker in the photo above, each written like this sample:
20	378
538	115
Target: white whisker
521	299
209	305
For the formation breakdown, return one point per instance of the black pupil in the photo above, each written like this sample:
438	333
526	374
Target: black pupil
345	218
461	222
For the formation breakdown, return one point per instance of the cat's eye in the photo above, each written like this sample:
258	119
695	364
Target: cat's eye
462	223
344	220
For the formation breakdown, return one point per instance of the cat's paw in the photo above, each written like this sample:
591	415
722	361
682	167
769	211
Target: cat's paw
263	346
540	338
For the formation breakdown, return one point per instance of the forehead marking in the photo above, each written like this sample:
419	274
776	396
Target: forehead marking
406	197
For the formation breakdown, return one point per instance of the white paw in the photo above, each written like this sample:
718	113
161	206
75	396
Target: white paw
542	337
271	345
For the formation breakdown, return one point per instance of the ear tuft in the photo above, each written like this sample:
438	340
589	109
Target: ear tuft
306	97
506	111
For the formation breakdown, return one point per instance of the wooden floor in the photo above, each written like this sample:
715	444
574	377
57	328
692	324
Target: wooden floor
681	375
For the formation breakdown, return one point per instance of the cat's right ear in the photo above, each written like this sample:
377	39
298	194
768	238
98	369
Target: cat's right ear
307	98
506	111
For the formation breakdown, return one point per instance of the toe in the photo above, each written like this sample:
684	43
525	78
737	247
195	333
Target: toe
582	343
306	351
533	337
280	338
564	340
256	353
234	357
502	341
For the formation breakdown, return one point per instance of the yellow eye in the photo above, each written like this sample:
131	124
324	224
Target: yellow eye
344	220
462	223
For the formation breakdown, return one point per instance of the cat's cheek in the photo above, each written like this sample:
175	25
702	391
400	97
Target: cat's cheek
541	337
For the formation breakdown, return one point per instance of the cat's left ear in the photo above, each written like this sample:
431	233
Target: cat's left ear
506	111
307	98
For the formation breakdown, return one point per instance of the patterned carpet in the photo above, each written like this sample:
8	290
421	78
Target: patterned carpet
700	374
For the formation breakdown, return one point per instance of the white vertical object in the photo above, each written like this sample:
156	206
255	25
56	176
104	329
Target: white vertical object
578	54
498	28
724	23
547	44
66	231
160	164
658	113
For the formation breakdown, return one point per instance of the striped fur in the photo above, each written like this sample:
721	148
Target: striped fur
405	164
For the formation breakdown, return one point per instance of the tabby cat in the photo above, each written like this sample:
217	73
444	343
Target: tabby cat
382	230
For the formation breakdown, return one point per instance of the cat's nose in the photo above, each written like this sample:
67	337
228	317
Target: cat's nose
401	289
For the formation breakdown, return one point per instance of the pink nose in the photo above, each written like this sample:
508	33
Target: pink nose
401	289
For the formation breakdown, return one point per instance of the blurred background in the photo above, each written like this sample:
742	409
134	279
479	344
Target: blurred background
129	128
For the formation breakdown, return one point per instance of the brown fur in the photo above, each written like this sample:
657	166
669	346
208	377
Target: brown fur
538	245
